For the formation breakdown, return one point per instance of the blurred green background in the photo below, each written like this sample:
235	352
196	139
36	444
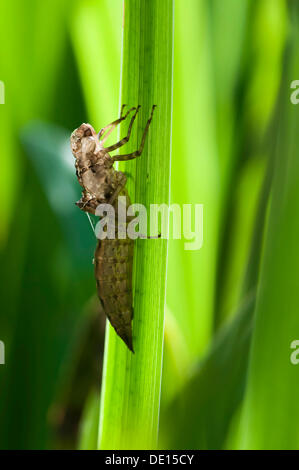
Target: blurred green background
232	307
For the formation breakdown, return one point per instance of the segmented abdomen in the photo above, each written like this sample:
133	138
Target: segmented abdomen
113	272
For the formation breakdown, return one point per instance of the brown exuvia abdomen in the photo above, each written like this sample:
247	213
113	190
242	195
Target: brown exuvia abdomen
113	272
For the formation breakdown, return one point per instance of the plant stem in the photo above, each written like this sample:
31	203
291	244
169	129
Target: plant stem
131	382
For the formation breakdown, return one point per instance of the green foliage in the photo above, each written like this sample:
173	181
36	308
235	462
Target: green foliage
231	307
270	401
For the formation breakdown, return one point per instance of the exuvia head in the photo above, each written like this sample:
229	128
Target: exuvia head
83	138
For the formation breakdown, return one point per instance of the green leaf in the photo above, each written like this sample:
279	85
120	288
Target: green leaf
270	413
96	35
206	403
48	148
90	422
28	67
212	393
194	176
131	382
